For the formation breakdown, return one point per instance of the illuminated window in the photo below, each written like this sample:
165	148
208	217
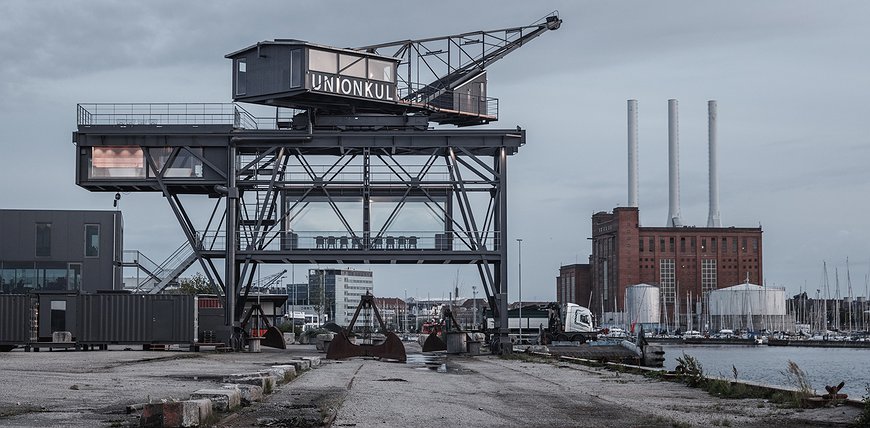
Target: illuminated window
354	66
381	70
323	61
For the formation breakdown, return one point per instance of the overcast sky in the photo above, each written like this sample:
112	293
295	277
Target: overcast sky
791	79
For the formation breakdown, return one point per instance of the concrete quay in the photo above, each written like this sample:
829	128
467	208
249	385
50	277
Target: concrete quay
81	389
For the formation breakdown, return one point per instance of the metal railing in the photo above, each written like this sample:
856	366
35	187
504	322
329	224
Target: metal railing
448	100
177	114
342	240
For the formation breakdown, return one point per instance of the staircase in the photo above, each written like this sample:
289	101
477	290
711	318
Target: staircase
159	276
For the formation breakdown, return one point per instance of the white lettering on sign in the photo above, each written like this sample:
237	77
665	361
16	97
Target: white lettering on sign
353	87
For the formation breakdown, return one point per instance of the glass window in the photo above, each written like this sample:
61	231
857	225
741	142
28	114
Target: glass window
18	277
51	276
241	76
74	276
744	245
381	70
117	162
652	245
672	244
640	245
323	61
92	240
184	165
296	68
350	65
43	239
682	245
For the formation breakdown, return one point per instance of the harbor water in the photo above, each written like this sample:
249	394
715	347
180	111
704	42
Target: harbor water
768	364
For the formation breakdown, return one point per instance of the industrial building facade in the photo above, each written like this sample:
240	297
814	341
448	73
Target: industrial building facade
681	261
574	284
337	292
60	250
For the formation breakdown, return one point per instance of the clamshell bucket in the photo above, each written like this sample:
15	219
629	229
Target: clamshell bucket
341	347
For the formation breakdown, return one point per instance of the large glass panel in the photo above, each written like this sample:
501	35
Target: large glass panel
18	278
381	70
184	165
74	276
350	65
323	61
241	76
92	240
43	239
51	276
296	71
117	162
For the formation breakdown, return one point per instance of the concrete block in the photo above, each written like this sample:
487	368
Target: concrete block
312	361
301	365
152	415
249	393
203	407
221	399
264	383
321	339
61	337
289	372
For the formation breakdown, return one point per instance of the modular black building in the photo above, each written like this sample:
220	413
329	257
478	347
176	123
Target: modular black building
60	250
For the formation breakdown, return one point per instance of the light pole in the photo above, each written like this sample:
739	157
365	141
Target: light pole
520	284
474	313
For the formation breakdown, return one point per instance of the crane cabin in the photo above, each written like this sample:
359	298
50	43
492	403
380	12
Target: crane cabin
297	74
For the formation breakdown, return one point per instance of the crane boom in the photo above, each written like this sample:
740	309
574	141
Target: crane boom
451	61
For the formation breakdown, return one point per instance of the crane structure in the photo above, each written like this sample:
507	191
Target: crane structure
347	170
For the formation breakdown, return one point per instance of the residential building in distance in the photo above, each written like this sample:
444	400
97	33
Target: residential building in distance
336	292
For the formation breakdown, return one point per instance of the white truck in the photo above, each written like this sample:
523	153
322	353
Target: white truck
551	323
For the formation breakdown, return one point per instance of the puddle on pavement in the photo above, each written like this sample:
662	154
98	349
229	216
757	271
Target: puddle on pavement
428	362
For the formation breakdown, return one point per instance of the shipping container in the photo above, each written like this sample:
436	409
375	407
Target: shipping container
17	316
138	319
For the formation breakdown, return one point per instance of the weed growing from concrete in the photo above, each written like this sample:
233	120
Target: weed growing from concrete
798	378
690	370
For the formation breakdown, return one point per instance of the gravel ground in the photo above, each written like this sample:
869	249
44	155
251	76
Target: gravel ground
93	388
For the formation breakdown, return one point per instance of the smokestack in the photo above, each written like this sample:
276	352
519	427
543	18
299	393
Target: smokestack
713	219
632	153
674	219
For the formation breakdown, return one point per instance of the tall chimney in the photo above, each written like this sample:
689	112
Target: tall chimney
674	219
713	218
632	153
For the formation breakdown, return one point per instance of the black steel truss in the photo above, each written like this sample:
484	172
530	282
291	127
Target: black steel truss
270	176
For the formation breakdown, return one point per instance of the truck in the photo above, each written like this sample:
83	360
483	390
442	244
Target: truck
550	323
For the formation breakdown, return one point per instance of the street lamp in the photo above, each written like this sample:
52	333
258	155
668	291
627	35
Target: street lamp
520	284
